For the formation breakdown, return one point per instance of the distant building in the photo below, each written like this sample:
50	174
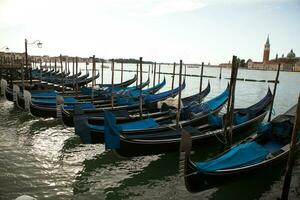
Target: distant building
226	65
288	63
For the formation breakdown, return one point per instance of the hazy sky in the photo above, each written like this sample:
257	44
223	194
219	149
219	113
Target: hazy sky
160	30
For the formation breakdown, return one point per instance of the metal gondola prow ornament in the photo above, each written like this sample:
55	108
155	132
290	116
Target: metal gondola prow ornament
16	90
3	87
27	99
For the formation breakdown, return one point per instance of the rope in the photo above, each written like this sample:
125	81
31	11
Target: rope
216	132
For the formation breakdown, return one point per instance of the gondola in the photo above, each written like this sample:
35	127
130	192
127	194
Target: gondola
124	115
122	84
133	115
47	98
206	132
147	126
267	147
106	93
43	111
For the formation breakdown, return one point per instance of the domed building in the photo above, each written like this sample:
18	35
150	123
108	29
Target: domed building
288	63
291	55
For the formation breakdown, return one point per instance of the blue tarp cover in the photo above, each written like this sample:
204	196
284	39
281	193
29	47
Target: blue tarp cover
52	93
206	107
53	101
111	131
215	102
141	124
239	156
162	95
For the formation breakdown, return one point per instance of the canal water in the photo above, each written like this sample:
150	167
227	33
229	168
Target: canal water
44	159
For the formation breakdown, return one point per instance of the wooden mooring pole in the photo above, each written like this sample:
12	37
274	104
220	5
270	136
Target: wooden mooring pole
230	104
141	87
292	155
122	71
76	77
173	76
201	77
102	63
149	74
179	96
159	68
154	74
93	75
137	74
112	82
220	75
274	93
63	75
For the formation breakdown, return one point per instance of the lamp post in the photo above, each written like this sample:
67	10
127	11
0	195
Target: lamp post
5	48
39	45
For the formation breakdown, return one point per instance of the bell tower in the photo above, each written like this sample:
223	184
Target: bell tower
266	51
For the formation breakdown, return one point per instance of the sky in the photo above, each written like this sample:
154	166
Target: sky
159	30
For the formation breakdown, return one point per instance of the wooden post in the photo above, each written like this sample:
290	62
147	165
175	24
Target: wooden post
61	65
154	75
122	71
66	65
93	75
41	70
149	74
76	76
230	104
112	83
73	70
22	75
55	65
137	74
201	77
50	67
102	71
220	75
179	96
184	71
292	155
141	87
86	71
159	73
63	76
274	92
173	76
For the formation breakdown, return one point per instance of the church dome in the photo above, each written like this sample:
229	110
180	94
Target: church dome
291	54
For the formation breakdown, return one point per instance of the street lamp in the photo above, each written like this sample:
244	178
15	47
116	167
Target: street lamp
39	45
5	47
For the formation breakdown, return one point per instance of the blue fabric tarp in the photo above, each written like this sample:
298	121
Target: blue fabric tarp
239	119
141	124
215	102
111	131
215	120
52	93
206	107
162	95
67	100
239	156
